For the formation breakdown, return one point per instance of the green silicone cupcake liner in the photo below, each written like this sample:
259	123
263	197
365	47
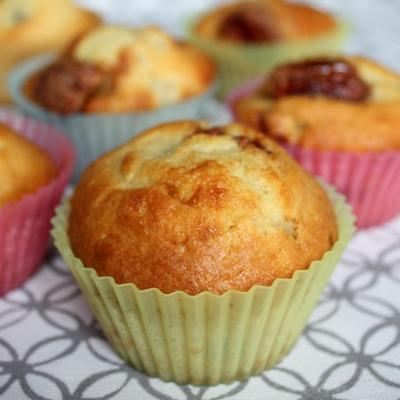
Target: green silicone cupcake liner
94	134
239	63
206	338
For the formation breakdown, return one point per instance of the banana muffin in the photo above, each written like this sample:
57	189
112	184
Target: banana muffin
184	207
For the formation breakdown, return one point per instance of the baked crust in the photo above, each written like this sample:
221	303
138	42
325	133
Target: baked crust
24	167
31	27
326	123
183	207
287	21
143	69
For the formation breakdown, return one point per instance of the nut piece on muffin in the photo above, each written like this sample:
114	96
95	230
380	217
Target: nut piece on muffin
191	208
342	104
263	21
114	69
24	166
31	27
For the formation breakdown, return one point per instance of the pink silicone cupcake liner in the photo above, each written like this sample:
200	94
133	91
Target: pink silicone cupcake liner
25	224
370	181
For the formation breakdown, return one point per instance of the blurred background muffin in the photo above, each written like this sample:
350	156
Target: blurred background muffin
35	165
115	69
31	27
204	241
113	82
24	167
247	38
329	111
263	22
346	104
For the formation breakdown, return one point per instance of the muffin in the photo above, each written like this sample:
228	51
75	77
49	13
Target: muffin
249	37
114	69
112	78
188	229
31	27
24	167
328	111
35	164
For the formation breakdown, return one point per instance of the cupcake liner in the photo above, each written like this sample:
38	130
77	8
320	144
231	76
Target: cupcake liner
206	338
370	181
94	134
238	63
25	224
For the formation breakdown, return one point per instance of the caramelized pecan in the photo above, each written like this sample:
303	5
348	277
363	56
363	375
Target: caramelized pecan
67	85
329	77
244	142
249	24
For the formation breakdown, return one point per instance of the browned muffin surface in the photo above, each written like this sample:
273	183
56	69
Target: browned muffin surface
343	104
185	207
24	167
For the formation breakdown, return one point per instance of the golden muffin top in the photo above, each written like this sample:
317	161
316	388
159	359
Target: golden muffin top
115	69
31	27
24	167
343	104
263	21
187	207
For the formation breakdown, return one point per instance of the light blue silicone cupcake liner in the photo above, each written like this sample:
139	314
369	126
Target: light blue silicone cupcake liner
94	134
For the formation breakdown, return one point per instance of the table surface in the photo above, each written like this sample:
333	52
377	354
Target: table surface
52	348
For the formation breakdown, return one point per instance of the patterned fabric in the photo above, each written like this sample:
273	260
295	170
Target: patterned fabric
51	347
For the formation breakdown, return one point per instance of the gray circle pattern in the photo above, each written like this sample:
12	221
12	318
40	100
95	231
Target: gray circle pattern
52	348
